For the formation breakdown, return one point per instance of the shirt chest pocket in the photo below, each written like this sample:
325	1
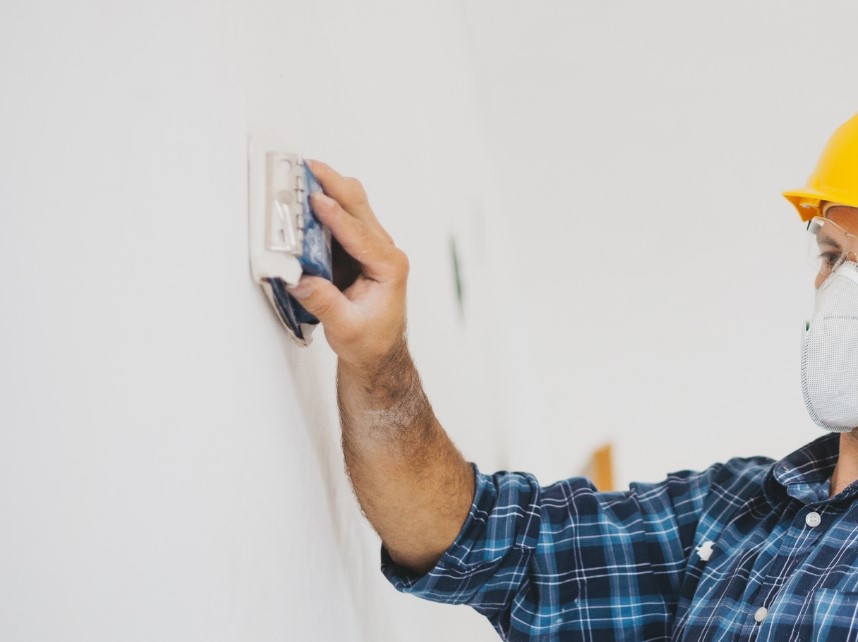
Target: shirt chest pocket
835	616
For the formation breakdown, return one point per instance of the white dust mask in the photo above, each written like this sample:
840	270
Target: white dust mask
829	359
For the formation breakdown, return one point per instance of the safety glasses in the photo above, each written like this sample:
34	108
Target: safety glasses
836	236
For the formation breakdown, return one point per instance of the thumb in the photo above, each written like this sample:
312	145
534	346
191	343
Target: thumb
321	298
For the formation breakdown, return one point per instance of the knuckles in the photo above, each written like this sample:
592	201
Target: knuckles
355	191
397	266
399	261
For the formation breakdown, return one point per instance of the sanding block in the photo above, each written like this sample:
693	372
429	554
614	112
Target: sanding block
286	238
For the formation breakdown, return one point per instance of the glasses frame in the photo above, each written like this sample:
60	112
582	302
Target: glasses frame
842	243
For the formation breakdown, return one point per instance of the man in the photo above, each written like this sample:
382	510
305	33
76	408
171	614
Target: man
747	550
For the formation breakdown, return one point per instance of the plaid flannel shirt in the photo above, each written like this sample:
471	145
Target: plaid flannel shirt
746	550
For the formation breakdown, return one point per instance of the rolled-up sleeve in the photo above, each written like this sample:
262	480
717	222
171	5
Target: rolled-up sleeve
487	562
536	560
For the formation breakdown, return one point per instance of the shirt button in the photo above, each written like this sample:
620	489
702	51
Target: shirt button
761	614
813	519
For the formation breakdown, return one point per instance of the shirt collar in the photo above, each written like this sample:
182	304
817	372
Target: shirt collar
806	473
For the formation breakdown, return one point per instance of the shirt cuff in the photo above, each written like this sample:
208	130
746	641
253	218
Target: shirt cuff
453	558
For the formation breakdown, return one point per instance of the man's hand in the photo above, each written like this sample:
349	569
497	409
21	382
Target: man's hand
365	322
413	485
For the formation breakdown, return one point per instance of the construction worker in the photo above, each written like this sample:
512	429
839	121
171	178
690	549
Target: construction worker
751	549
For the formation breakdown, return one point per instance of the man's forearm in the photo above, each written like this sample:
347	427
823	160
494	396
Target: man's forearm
412	483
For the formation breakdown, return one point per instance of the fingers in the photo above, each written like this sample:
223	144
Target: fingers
349	193
321	298
380	259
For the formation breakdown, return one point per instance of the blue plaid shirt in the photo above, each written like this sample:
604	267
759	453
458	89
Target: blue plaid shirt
747	550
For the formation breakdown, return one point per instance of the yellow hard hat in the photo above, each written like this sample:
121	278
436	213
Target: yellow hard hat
835	178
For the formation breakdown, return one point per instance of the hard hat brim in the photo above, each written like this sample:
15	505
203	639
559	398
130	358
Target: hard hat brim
806	202
808	199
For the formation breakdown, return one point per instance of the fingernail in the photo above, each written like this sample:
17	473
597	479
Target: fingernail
322	199
300	291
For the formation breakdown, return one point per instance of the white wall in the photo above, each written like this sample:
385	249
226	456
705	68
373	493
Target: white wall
169	462
669	290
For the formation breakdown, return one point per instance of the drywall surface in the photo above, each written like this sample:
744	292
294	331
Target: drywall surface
169	462
609	175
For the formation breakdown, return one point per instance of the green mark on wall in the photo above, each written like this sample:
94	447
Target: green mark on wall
457	277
